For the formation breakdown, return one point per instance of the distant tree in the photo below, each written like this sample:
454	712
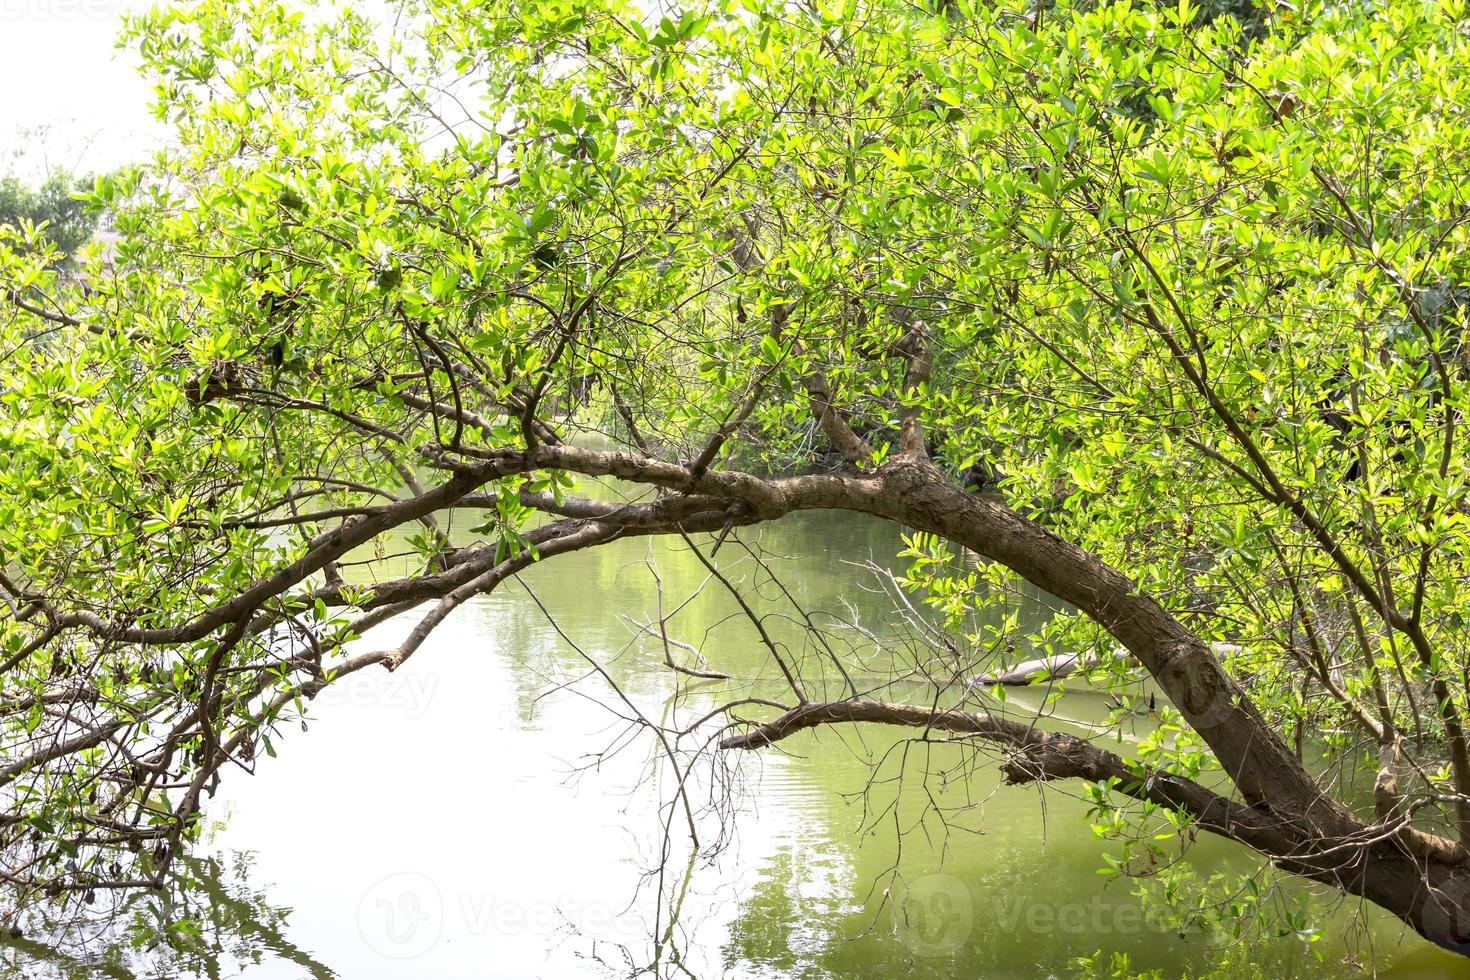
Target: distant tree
69	222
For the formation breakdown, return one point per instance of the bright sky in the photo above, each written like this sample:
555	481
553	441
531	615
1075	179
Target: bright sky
68	97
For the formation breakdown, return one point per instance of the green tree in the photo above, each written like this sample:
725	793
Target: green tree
69	223
1199	300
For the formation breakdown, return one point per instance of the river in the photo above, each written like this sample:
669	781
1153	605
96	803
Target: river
485	812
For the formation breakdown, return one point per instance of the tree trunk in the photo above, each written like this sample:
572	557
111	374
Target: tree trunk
1420	877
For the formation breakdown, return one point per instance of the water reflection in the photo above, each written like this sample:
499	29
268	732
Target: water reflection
212	920
488	811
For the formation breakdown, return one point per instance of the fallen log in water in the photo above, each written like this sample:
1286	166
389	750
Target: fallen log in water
1042	668
1060	665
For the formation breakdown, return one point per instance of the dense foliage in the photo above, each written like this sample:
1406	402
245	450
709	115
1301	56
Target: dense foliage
1191	296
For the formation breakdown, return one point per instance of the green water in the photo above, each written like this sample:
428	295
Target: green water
485	812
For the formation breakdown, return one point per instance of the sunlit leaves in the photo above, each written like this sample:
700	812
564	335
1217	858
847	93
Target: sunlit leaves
1155	264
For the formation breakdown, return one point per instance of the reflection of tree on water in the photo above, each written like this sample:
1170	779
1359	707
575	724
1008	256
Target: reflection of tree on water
826	902
784	925
208	921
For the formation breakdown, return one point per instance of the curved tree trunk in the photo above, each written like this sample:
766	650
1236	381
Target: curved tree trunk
1282	811
1285	814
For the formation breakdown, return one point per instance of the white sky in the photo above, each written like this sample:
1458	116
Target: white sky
68	97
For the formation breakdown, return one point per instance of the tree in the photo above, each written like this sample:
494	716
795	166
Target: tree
1199	301
69	224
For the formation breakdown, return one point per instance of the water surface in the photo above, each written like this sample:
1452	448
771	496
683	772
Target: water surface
487	811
